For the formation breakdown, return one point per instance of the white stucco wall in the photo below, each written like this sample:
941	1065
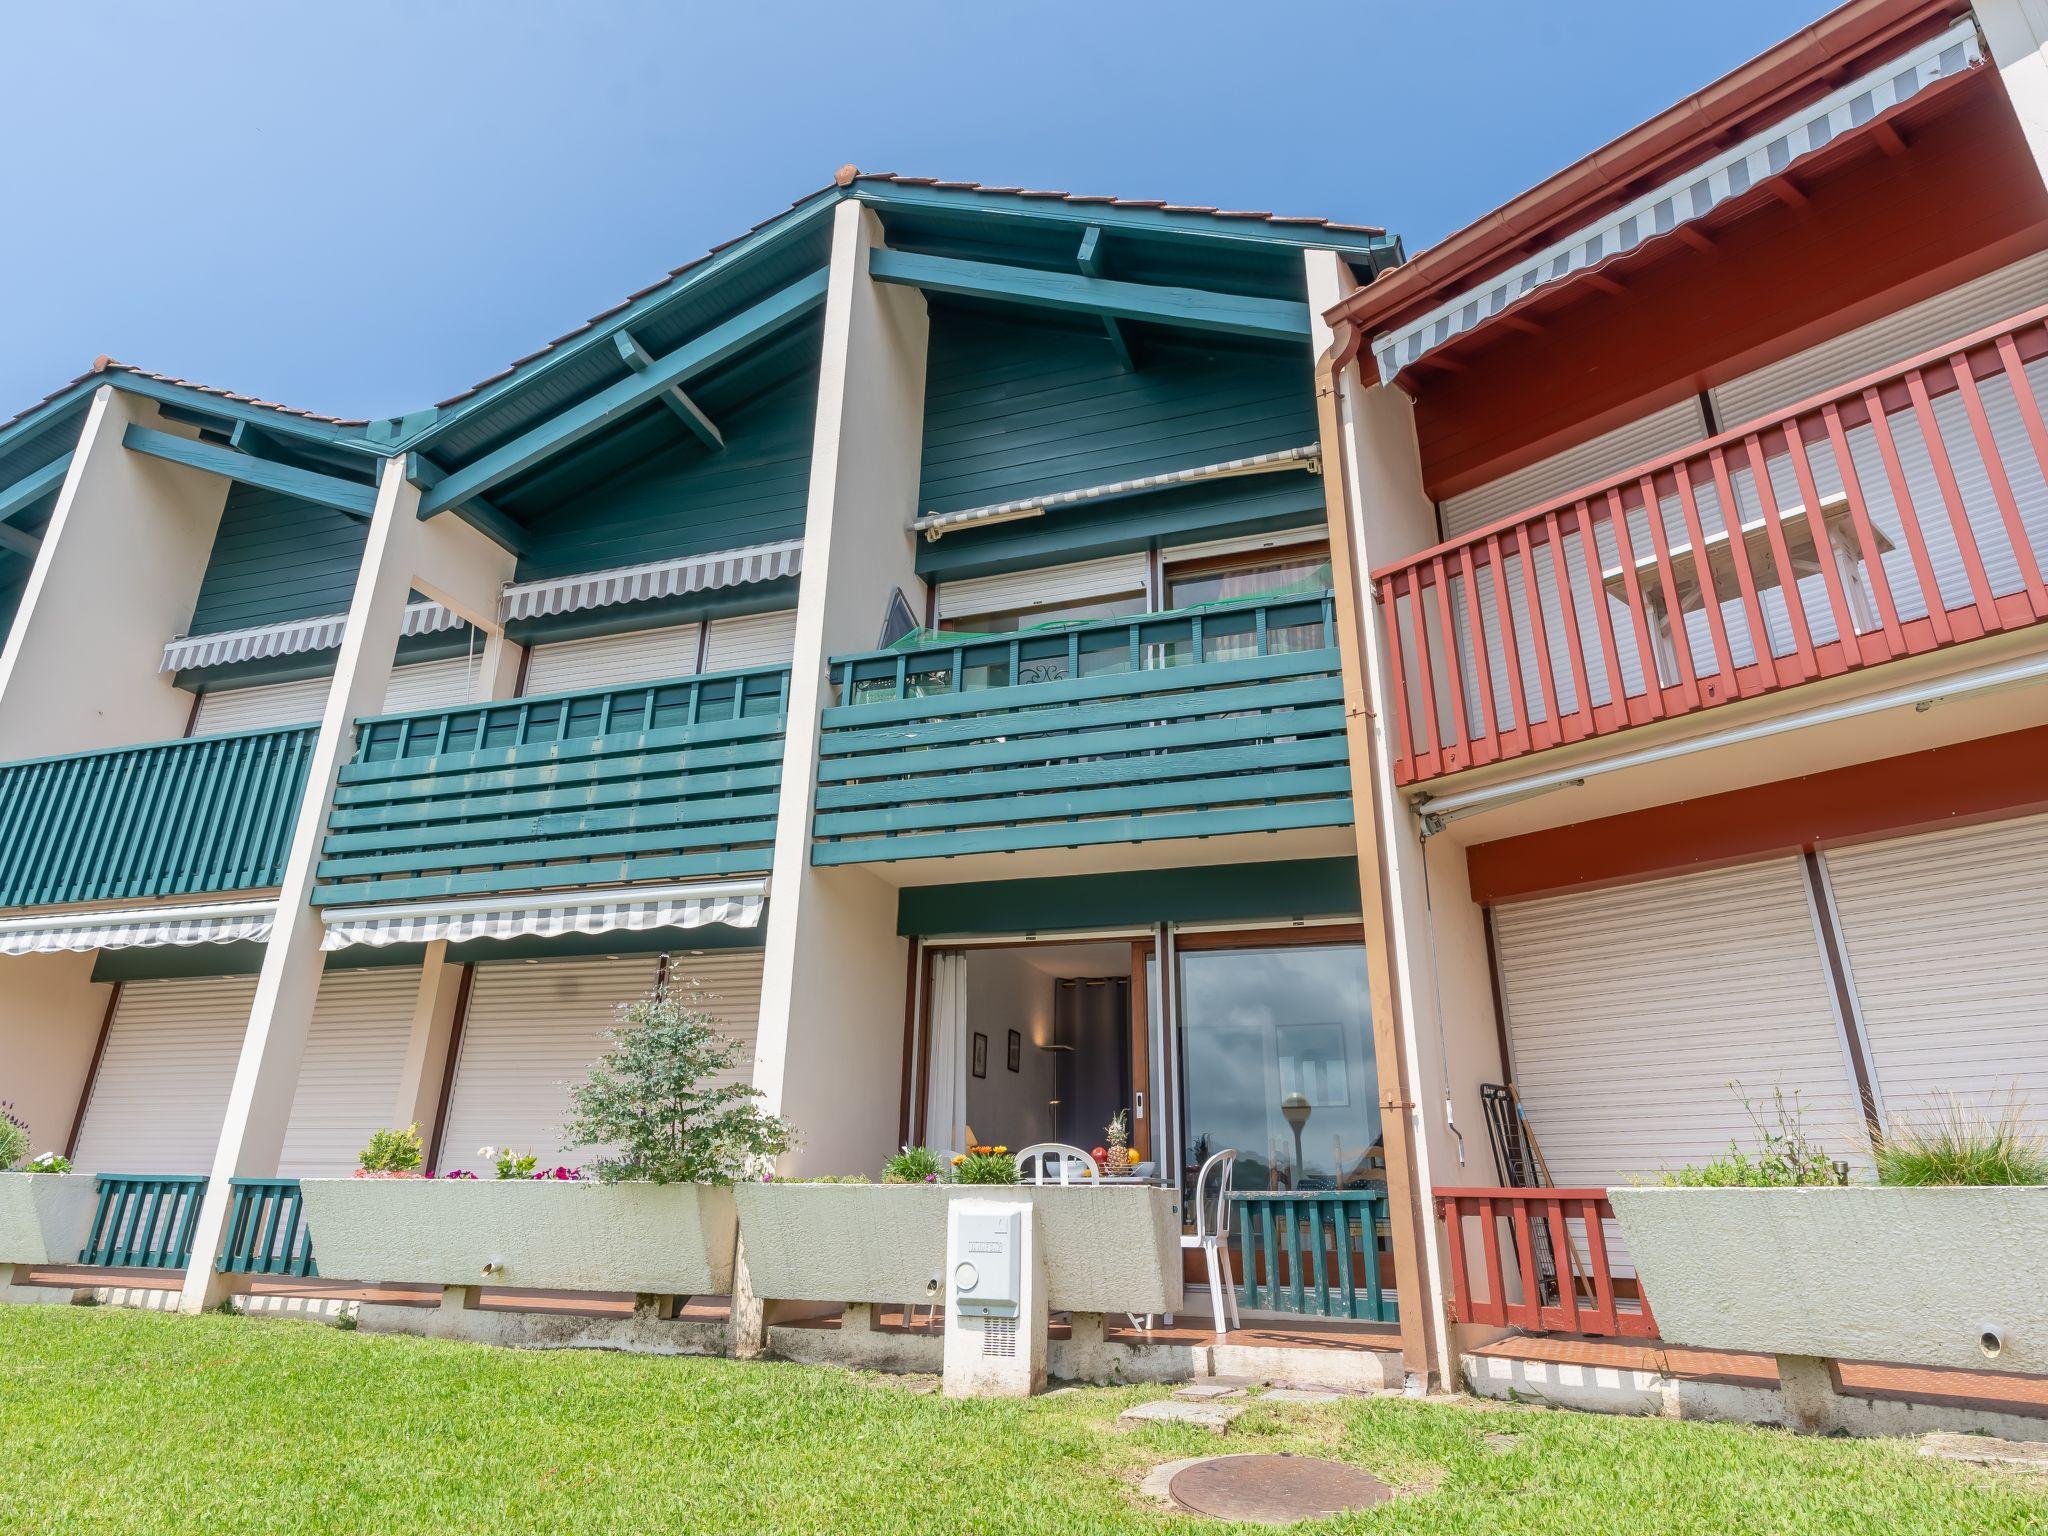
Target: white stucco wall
829	1054
116	578
50	1016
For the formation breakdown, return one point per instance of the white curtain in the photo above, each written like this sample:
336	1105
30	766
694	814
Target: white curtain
947	1106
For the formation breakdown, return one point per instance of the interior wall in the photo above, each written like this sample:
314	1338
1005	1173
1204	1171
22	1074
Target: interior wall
50	1016
1005	991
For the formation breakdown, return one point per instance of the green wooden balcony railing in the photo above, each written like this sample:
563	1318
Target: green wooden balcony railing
267	1230
1320	1253
1190	724
144	1221
657	781
172	818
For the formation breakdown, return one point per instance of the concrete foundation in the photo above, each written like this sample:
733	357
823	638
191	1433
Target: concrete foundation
652	1328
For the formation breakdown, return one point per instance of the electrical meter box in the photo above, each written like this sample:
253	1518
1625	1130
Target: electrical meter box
988	1262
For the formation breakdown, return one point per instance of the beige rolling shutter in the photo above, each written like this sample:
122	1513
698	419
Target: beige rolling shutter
161	1093
349	1080
433	685
1947	940
609	661
1892	339
752	640
1631	1010
253	709
1050	586
1624	447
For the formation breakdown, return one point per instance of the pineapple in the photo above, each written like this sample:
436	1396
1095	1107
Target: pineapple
1118	1135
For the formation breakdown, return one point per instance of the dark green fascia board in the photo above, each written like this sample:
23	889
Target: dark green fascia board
344	496
746	329
1195	309
1202	229
1285	888
499	527
1090	260
33	487
639	359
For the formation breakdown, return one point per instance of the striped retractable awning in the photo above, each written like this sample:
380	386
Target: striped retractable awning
265	640
630	909
220	922
936	523
1731	173
661	578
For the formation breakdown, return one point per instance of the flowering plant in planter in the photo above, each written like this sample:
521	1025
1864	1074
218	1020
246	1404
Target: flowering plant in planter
49	1162
664	1098
13	1136
391	1154
984	1165
566	1175
510	1164
913	1165
458	1173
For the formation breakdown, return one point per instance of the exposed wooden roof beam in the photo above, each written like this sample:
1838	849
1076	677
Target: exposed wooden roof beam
32	488
747	329
637	358
497	526
1196	309
1090	262
217	459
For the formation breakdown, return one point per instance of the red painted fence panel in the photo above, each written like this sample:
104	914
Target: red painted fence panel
1542	1263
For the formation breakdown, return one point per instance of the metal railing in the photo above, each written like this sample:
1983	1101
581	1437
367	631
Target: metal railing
1892	516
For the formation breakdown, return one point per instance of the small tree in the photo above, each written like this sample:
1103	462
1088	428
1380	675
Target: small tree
653	1098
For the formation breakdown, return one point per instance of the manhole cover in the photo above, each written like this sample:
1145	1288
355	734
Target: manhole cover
1275	1490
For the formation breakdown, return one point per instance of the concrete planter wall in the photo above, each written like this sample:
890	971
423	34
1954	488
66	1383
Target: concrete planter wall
1913	1276
665	1239
1110	1249
45	1218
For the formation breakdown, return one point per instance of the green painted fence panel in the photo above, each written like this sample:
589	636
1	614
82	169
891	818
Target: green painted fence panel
1317	1253
171	818
144	1221
267	1230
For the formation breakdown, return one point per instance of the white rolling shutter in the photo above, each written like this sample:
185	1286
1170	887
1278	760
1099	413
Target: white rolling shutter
349	1079
1624	447
1892	339
533	1028
1631	1010
1044	588
752	640
229	710
610	661
160	1096
433	684
1947	940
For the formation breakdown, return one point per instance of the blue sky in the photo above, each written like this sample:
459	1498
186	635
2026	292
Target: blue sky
362	209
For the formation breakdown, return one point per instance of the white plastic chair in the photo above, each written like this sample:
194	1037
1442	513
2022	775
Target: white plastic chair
1213	1238
1063	1159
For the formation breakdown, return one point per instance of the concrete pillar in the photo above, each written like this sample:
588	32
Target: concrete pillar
426	1047
829	1053
1806	1394
453	564
2017	32
117	576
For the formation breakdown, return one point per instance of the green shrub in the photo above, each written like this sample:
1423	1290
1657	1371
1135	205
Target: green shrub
392	1151
1786	1156
13	1137
985	1165
656	1098
1953	1143
49	1162
914	1165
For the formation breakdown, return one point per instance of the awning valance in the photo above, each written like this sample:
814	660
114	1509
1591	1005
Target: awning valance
1728	174
220	922
661	578
631	909
936	523
266	640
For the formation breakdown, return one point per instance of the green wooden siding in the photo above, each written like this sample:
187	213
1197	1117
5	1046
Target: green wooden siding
174	818
276	559
1195	724
1016	409
1275	888
649	492
658	781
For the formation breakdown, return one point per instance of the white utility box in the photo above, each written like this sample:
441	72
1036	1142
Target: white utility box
996	1310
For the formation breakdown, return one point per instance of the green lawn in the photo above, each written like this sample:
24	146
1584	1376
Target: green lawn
122	1421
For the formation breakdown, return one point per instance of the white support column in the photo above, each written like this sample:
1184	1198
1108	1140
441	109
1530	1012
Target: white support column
426	1048
457	567
2017	32
117	575
829	1053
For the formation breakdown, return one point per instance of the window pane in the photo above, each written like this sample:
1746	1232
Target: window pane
1252	579
1277	1062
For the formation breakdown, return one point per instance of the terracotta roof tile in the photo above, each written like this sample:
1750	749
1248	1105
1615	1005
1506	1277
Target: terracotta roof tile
105	365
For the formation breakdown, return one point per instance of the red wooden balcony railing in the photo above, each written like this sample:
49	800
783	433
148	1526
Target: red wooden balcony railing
1544	1265
1898	514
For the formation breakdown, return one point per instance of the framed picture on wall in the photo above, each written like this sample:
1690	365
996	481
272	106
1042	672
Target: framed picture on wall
981	1055
1016	1051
